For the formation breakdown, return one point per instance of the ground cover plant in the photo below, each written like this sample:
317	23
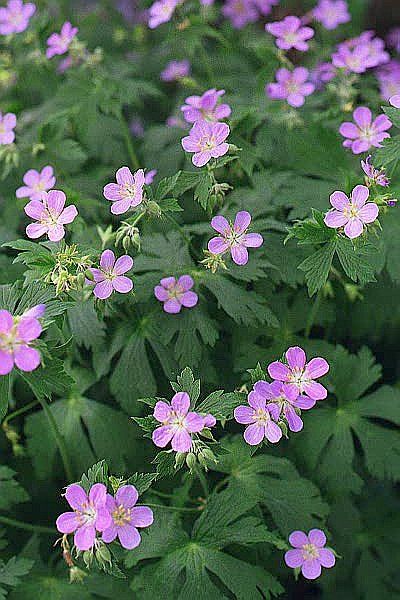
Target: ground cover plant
199	316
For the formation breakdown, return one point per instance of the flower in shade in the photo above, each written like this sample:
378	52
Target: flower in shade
283	400
361	53
351	213
89	514
127	192
161	12
321	74
16	337
207	141
126	517
110	276
376	176
365	132
50	215
395	101
258	418
176	294
265	6
309	553
291	86
240	12
178	424
331	13
149	176
175	70
377	54
300	375
36	182
58	43
388	76
14	18
351	59
7	125
205	107
175	122
290	33
234	237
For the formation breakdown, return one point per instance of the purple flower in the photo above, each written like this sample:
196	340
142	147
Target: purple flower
258	417
321	74
175	70
206	140
16	336
127	192
395	101
265	6
393	38
136	127
177	423
175	122
290	33
377	54
301	375
14	18
50	214
36	311
126	517
376	176
352	213
58	43
205	107
309	553
209	420
36	182
176	294
110	276
234	237
149	176
89	514
283	400
365	132
351	59
291	86
161	12
331	13
7	124
240	12
388	76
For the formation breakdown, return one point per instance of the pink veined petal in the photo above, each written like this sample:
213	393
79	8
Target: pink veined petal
47	173
98	494
244	415
239	254
26	358
300	74
35	230
23	192
76	496
256	400
339	200
6	362
161	293
220	132
254	434
124	176
349	130
163	435
68	215
112	191
315	390
35	209
362	116
218	245
168	282
107	260
395	101
55	202
162	411
294	421
98	275
264	389
279	371
172	306
194	422
9	121
220	150
222	111
111	505
297	539
142	516
103	519
122	284
382	123
185	282
103	290
120	207
359	195
369	212
326	558
29	329
296	357
189	299
242	221
129	537
335	219
181	442
317	537
201	158
359	146
317	367
31	177
190	144
109	534
304	402
220	224
290	392
55	232
273	432
294	558
84	537
181	403
253	240
122	265
6	321
67	522
295	99
354	228
311	569
139	178
127	495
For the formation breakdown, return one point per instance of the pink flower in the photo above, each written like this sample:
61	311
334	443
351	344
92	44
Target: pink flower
376	176
127	192
50	214
388	76
205	107
206	140
309	553
234	237
149	176
365	133
240	12
110	276
14	18
258	417
290	33
58	43
16	336
351	59
291	86
7	124
126	517
175	70
161	12
176	294
395	101
283	400
177	423
89	514
331	13
36	182
352	214
300	375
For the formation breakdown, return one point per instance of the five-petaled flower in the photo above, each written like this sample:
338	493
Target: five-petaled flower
205	107
161	12
331	13
283	400
291	86
14	18
36	182
234	237
7	126
50	214
89	514
290	33
175	70
176	293
207	141
177	423
309	553
16	336
259	419
127	192
351	213
110	276
365	132
126	517
59	43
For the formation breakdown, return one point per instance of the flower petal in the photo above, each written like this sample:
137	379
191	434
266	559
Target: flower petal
107	260
67	522
294	558
359	195
339	200
317	367
244	415
315	390
26	358
362	116
254	434
242	221
84	537
122	284
181	442
124	176
218	245
354	228
55	232
120	207
294	421
335	219
181	403
29	329
103	290
35	209
6	321
129	537
55	202
162	411
279	371
6	362
103	519
296	357
36	230
68	214
317	537
162	435
112	191
253	240
311	569
189	299
326	558
76	496
185	282
142	516
98	494
172	306
297	539
127	495
256	400
369	212
273	432
109	534
239	254
161	293
194	422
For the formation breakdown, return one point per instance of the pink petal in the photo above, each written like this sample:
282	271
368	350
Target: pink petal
264	389
273	432
168	282
253	240
244	415
254	434
359	195
382	123
68	215
172	306
29	329
295	99
256	400
122	284
31	178
55	232
139	178
359	146
395	101
185	282
35	230
23	192
35	209
55	202
294	421
112	191
6	321
311	569
120	207
201	158
194	422
305	403
98	494
142	516
242	221
369	212
294	558
76	496
315	390
109	534
220	224
296	357
161	293
239	254
317	537
297	539
162	411
181	403
103	519
129	537
220	132
339	200
107	260
354	228
335	219
162	435
189	299
181	442
103	290
279	371
67	522
362	116
326	558
123	264
274	410
6	362
84	537
317	367
218	245
189	144
127	495
124	176
26	358
349	130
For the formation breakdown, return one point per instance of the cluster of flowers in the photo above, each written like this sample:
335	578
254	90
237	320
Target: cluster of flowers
272	404
16	336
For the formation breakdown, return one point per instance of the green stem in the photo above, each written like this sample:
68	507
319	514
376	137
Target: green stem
177	508
59	439
312	314
203	481
20	411
137	219
27	526
128	142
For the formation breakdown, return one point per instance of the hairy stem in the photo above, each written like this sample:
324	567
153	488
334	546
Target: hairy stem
177	508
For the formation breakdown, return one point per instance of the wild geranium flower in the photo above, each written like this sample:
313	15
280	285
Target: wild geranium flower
259	419
207	141
388	76
321	74
36	182
14	18
309	553
300	375
127	192
377	54
395	101
161	12
149	176
331	13
283	400
265	6
205	107
175	294
175	70
365	132
234	237
291	86
59	43
7	125
375	176
110	276
16	337
89	514
126	517
352	214
178	424
354	60
290	33
50	214
240	12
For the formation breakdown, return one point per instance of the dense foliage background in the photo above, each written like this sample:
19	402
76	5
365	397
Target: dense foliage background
108	109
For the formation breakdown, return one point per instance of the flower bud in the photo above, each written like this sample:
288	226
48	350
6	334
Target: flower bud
87	558
103	555
179	459
191	461
153	209
76	575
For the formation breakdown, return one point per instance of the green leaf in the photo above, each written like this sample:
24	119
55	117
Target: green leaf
389	153
85	325
221	405
11	573
316	267
356	261
49	380
11	491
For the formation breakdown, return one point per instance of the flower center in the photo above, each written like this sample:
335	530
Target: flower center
367	133
310	552
207	143
261	416
351	212
290	38
121	516
175	292
292	87
128	191
297	377
87	514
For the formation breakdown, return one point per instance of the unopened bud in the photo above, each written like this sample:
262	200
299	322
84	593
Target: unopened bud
103	555
76	575
179	459
153	209
191	461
